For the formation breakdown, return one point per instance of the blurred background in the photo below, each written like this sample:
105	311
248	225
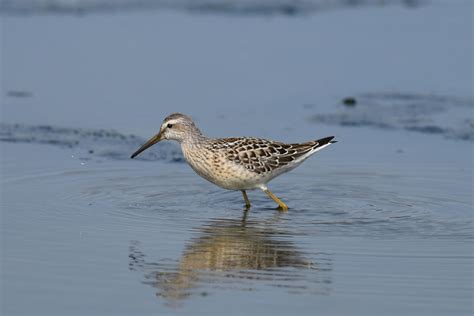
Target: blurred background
381	222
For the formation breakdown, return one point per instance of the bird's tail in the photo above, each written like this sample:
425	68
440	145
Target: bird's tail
305	150
323	142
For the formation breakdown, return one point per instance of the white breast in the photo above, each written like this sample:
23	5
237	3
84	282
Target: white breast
215	168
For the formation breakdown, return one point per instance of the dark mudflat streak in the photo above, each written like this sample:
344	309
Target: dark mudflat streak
413	112
91	142
230	7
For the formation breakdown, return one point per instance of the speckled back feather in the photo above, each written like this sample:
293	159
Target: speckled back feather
263	156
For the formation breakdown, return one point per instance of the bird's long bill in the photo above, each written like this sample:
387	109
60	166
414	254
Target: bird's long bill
152	141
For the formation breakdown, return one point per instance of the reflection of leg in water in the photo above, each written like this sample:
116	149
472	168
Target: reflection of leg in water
136	257
244	217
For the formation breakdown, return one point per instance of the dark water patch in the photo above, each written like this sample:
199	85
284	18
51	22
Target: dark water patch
228	7
91	143
19	94
450	117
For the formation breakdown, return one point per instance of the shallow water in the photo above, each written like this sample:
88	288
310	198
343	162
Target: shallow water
161	239
379	223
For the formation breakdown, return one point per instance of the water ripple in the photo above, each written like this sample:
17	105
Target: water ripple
230	254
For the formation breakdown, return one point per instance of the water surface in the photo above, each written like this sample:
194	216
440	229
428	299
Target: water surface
379	223
155	232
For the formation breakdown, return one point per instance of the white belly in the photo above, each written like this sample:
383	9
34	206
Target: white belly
225	174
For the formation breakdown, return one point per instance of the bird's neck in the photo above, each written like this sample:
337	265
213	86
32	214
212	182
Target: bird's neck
192	150
193	141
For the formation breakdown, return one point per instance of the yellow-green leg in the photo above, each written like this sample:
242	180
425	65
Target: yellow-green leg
282	205
247	201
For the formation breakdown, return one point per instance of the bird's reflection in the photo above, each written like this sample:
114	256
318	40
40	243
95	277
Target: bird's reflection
235	254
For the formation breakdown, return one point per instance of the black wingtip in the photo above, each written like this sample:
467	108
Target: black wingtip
326	140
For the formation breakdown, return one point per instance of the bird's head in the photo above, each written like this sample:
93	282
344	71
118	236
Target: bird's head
176	126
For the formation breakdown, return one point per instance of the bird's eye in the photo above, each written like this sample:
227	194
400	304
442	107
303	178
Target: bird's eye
170	125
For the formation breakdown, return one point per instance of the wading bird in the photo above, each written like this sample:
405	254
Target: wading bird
242	163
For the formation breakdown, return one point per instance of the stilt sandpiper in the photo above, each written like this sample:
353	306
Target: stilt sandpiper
235	163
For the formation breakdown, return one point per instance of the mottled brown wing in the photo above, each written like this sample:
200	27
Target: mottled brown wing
261	155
